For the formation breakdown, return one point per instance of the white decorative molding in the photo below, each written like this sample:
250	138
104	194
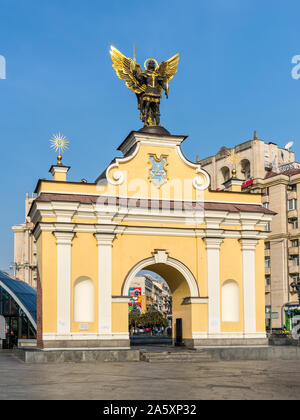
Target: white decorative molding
113	213
191	281
200	183
249	286
137	138
195	300
59	169
160	256
120	299
118	176
213	242
214	219
86	336
228	335
104	243
248	244
231	305
213	284
147	230
64	243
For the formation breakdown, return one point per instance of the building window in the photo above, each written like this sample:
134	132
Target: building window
292	187
246	168
267	245
295	260
293	223
84	300
266	205
267	262
295	242
268	280
265	191
292	204
230	301
225	173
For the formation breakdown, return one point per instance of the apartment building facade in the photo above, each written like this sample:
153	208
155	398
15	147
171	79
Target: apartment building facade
25	258
147	292
272	171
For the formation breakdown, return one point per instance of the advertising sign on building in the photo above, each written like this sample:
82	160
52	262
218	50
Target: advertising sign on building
135	294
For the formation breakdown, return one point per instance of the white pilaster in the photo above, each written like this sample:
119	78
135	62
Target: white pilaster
104	242
248	251
213	284
64	243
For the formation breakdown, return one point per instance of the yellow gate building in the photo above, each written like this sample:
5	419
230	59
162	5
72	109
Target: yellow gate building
151	209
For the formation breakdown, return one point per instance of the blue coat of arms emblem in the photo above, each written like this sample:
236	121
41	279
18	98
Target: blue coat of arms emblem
158	173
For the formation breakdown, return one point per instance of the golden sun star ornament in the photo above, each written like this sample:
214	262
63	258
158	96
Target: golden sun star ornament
59	143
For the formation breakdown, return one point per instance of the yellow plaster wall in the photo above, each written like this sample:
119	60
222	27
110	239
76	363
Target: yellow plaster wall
141	247
58	176
199	314
128	250
179	186
180	310
119	317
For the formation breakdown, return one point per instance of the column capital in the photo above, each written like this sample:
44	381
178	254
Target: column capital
64	238
213	243
104	238
248	244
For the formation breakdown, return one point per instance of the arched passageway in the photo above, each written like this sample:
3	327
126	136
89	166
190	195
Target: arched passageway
182	285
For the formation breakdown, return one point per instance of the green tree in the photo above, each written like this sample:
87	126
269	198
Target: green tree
151	319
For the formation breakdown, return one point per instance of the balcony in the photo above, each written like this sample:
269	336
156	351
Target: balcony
293	250
293	231
268	166
293	269
292	214
265	199
291	195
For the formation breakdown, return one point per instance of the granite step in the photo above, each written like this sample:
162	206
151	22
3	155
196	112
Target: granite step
184	356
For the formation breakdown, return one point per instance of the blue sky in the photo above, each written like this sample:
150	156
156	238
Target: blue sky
234	76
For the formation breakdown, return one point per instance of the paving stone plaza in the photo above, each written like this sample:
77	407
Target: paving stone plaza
143	381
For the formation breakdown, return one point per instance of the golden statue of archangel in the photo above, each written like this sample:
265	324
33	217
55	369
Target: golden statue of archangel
147	84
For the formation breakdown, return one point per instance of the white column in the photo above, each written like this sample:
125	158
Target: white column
213	284
63	244
104	241
248	251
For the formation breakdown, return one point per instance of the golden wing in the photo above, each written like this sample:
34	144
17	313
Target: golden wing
168	69
124	68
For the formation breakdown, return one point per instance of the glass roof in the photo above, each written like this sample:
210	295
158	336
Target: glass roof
25	293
